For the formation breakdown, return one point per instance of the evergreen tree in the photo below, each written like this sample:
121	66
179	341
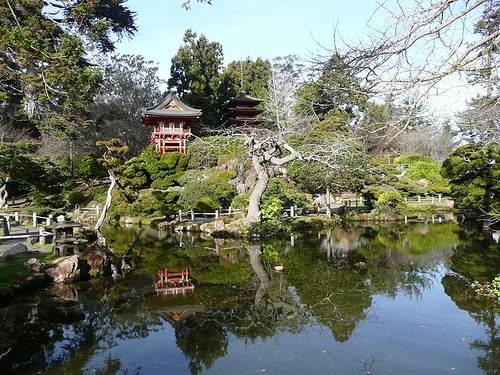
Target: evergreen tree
46	83
195	73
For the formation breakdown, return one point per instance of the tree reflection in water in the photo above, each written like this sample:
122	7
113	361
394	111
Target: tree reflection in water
330	280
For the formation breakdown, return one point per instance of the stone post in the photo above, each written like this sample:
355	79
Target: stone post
418	197
41	238
439	198
180	214
192	215
34	219
16	217
216	214
292	211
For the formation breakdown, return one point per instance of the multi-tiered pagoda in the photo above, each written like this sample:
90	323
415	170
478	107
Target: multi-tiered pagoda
171	120
243	110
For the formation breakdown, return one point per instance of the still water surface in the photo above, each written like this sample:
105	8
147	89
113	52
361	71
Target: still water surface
368	299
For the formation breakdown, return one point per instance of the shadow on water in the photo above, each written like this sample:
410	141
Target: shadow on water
345	300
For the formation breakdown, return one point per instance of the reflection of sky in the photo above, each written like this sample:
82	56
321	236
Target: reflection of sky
404	335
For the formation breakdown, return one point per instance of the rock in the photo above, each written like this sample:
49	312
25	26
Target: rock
278	268
360	264
179	228
205	228
69	269
128	264
193	228
60	219
99	259
34	265
219	225
18	248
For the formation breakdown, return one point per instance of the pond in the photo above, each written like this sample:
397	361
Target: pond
362	299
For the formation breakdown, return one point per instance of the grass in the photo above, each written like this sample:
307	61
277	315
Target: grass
12	269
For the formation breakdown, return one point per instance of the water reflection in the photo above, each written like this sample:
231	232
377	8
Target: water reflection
342	280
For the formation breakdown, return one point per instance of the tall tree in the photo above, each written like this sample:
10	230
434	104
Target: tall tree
246	75
130	83
195	73
46	83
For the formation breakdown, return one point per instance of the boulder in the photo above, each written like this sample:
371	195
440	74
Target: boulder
219	225
128	264
34	265
69	269
99	259
18	248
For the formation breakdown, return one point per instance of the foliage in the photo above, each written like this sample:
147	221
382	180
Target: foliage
495	287
130	83
474	173
336	88
47	83
215	186
204	152
412	159
240	201
429	171
390	201
271	208
88	168
195	73
287	193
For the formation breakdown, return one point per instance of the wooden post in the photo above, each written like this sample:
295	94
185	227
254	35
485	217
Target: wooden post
439	198
406	219
16	217
180	214
418	197
192	215
230	210
49	221
41	238
97	210
34	219
8	222
406	199
216	214
433	199
292	211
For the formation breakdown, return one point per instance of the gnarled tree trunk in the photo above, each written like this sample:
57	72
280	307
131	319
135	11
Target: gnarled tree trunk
253	215
107	206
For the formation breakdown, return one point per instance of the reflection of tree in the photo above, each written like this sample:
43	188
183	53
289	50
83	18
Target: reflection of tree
47	331
478	261
202	339
484	312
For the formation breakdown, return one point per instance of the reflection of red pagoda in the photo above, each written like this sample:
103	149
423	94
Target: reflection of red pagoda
171	119
243	109
173	282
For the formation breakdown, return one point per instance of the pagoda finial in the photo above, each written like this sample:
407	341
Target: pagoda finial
241	75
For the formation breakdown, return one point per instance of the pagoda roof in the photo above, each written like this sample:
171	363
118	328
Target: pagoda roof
243	98
171	106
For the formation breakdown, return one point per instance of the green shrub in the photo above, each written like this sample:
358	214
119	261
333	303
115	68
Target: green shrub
495	287
206	204
73	197
214	185
289	194
204	152
88	168
412	159
271	208
240	202
391	201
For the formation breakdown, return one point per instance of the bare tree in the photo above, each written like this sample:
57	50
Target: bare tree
424	48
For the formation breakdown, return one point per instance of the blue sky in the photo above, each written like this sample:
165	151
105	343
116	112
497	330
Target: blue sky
265	28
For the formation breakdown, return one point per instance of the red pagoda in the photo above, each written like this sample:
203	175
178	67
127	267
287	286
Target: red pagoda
243	110
171	119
